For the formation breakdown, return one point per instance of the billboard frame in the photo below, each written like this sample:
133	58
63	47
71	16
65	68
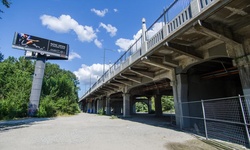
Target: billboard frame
52	49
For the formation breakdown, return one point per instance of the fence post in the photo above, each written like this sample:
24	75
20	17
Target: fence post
204	118
245	122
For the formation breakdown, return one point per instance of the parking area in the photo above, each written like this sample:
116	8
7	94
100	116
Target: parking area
91	131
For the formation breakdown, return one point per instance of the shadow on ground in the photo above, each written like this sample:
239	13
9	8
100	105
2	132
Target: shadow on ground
20	123
165	121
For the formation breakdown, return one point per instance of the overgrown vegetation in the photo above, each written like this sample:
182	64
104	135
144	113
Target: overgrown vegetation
113	117
59	91
100	112
166	101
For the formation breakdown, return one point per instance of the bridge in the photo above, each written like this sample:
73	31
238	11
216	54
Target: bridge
200	55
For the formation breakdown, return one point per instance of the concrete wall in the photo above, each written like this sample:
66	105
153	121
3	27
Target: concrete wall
213	88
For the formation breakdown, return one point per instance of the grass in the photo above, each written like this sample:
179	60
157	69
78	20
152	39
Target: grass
113	117
190	145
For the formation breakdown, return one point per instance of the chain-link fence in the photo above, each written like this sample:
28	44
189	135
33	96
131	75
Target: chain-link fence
224	119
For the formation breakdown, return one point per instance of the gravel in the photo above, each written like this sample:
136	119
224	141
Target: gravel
91	132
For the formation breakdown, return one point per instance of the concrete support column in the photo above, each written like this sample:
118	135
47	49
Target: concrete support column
126	105
134	108
108	109
88	107
149	105
244	72
36	85
180	91
242	61
97	105
93	106
243	64
158	106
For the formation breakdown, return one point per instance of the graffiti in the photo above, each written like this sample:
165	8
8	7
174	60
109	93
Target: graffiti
32	109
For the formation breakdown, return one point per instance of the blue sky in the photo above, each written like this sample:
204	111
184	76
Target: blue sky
88	26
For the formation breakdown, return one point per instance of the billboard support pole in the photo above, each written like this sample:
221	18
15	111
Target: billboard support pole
36	85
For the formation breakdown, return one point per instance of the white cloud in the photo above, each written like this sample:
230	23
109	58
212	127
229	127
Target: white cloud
98	43
157	26
124	44
115	10
100	13
109	28
65	23
87	73
73	55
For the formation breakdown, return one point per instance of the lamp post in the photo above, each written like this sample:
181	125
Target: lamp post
104	55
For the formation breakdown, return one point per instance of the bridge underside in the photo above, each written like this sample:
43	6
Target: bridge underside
206	57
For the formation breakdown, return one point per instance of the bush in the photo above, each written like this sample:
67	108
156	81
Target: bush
167	103
100	111
46	108
113	117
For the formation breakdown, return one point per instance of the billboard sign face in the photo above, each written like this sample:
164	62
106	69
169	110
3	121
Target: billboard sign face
53	49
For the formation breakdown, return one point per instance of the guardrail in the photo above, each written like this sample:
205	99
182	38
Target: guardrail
173	18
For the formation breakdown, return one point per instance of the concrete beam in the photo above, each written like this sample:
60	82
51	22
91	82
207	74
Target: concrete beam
118	85
202	29
184	50
146	74
128	83
155	64
169	61
131	78
107	88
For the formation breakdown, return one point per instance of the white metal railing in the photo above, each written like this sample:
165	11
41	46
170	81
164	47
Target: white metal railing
173	18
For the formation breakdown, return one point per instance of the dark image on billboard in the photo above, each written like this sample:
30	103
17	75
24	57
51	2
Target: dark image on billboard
51	48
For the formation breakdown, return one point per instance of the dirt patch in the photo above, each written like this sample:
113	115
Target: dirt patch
190	145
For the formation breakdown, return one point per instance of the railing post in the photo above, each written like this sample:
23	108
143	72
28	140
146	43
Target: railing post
199	5
204	118
144	41
245	122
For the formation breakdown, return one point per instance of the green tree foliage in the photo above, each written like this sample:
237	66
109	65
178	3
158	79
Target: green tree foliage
59	91
15	83
6	3
59	87
167	103
1	57
141	107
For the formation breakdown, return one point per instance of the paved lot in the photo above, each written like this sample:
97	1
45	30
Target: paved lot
92	132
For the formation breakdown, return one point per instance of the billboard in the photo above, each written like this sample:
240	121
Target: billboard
52	49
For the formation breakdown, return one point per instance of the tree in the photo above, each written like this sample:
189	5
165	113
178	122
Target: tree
60	88
59	91
1	57
6	3
15	88
167	103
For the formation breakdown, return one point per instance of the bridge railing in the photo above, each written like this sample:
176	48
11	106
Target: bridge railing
177	15
172	19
